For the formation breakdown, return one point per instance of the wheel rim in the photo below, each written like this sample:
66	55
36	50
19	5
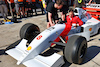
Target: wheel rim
31	34
83	50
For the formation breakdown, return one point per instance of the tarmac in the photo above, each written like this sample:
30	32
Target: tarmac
9	34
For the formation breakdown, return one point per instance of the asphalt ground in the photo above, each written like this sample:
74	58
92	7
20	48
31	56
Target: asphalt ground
9	34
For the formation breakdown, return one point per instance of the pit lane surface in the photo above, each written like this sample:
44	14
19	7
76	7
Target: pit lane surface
10	34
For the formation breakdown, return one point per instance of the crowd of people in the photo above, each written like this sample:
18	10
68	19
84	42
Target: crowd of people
23	7
19	7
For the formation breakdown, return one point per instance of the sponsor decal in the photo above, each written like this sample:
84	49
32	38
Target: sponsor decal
39	37
29	48
90	29
51	28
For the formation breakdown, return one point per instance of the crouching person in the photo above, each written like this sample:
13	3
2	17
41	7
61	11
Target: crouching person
52	12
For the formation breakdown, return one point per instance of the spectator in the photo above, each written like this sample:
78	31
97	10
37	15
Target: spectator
21	8
47	2
52	12
34	5
64	9
28	7
11	3
16	6
3	9
90	1
79	3
71	2
97	1
41	5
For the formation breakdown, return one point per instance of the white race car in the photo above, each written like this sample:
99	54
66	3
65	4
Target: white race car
74	40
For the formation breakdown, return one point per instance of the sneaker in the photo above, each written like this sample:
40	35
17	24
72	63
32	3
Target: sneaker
5	20
1	23
8	20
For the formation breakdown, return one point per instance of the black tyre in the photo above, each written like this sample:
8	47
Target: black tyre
75	49
29	31
98	31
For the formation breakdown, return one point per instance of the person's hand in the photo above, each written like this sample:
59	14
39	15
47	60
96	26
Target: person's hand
52	24
75	27
89	3
9	2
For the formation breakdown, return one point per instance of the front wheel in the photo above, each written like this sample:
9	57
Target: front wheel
75	49
29	31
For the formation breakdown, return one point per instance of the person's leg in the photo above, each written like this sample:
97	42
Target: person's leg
21	5
5	11
22	8
42	9
2	11
12	6
34	7
17	8
48	24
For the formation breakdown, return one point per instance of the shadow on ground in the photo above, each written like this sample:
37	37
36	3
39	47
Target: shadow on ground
2	52
56	49
92	52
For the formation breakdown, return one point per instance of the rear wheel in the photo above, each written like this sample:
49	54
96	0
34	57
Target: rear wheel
75	49
29	31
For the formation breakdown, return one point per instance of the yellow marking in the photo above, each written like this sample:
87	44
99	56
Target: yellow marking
79	1
29	48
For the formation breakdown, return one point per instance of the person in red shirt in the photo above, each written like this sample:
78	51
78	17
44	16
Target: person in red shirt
73	20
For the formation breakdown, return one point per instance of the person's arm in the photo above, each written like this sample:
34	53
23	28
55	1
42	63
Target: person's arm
68	20
89	2
9	1
75	2
50	18
45	4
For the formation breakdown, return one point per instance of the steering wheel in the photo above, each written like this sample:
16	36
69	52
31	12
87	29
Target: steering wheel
61	22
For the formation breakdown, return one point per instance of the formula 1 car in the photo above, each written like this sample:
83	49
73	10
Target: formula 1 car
73	40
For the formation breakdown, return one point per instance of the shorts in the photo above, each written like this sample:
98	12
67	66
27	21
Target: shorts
27	5
54	17
21	4
12	5
64	9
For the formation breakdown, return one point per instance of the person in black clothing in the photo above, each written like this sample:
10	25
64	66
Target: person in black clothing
97	1
64	9
52	12
79	3
46	4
